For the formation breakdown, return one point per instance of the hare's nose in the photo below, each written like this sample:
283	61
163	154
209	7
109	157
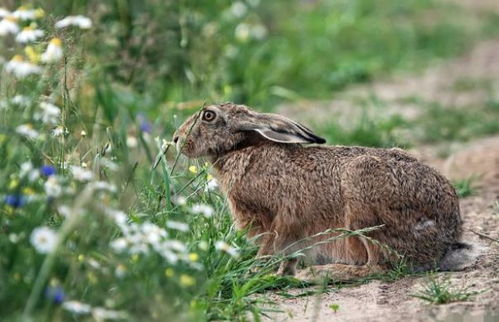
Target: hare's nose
175	139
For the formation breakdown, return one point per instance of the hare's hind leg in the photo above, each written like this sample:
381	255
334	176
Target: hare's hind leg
337	272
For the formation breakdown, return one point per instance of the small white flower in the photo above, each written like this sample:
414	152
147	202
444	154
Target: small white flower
24	14
119	245
21	100
177	225
109	164
54	51
258	32
52	187
44	239
64	210
169	255
4	13
212	184
76	307
131	142
120	271
175	245
29	34
203	245
242	32
14	238
8	25
27	131
152	233
101	314
59	131
103	185
49	114
81	22
179	200
28	171
204	209
21	68
81	174
223	246
238	9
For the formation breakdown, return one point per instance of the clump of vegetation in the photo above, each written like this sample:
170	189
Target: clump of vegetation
465	187
440	291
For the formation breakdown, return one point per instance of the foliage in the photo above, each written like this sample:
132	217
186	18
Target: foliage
440	291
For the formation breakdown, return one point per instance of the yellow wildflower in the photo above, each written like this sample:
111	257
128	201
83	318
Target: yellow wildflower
193	257
186	280
193	169
169	272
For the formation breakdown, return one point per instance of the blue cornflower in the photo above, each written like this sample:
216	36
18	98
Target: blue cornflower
15	201
47	170
145	125
55	294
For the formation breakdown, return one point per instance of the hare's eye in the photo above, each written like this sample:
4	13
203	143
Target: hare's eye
208	116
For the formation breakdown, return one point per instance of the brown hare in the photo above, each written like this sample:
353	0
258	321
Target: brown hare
284	192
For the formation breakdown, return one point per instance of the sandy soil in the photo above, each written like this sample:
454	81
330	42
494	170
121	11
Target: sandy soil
392	301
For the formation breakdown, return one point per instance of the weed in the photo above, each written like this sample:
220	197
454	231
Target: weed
440	291
465	187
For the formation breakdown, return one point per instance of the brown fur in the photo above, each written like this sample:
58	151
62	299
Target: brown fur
285	192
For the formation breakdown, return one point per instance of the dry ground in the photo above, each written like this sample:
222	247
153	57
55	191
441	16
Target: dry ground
392	301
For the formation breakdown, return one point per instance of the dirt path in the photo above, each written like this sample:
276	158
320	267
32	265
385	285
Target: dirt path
465	81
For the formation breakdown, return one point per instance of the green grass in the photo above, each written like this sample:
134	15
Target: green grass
440	291
465	187
133	78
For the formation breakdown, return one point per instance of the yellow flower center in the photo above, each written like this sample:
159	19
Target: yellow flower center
29	28
33	56
56	42
11	18
17	58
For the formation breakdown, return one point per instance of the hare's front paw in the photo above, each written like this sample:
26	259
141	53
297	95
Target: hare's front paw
287	268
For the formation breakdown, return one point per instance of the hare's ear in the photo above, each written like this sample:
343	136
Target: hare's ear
278	128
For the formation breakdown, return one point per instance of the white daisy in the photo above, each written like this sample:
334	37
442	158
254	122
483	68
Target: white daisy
179	200
8	25
204	209
242	32
25	14
223	246
119	245
212	184
258	32
49	114
81	22
29	34
76	307
177	225
21	100
44	239
4	13
81	174
238	9
52	187
54	51
21	68
27	131
28	171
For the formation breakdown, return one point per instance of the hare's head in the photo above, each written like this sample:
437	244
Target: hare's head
218	129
